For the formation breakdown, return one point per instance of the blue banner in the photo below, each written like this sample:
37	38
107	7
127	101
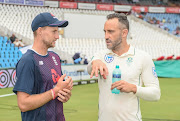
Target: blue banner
21	2
1	1
34	2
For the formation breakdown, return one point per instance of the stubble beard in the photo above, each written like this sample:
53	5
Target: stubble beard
48	44
115	45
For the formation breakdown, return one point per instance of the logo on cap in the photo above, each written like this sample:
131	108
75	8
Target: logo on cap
53	15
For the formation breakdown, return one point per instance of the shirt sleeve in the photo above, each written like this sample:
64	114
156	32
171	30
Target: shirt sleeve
95	57
25	76
151	91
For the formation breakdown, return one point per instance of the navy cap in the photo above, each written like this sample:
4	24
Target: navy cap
47	19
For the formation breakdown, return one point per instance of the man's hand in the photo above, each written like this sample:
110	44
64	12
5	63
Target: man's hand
68	84
99	66
64	95
124	86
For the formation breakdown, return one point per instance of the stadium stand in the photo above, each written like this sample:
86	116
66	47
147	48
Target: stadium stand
17	19
155	41
131	2
171	21
9	54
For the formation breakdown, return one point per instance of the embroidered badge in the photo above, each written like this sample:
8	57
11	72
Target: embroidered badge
154	72
129	60
108	58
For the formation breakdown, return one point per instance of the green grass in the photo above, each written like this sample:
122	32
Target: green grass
169	105
83	105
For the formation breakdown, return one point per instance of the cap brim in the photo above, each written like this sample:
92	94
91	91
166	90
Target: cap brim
59	24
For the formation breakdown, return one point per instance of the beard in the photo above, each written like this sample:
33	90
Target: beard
114	44
48	44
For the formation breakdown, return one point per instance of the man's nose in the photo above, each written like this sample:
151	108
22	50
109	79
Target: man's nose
106	36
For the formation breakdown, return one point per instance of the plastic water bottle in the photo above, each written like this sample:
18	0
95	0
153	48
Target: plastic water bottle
116	76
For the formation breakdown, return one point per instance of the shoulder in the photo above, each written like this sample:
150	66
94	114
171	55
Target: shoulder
100	55
27	58
143	57
28	55
53	53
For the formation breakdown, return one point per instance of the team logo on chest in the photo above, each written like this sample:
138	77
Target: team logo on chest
129	61
108	58
54	59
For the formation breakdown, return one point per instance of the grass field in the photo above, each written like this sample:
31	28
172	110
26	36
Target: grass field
83	105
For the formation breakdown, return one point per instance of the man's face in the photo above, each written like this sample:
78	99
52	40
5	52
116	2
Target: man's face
49	36
113	33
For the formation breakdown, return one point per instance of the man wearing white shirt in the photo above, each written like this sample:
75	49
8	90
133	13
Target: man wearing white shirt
137	69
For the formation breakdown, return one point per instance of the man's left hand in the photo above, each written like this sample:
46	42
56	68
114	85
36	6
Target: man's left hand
124	86
64	95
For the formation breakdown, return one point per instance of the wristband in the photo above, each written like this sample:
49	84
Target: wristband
53	94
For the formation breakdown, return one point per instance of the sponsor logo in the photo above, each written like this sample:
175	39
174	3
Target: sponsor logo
55	75
108	58
154	72
53	15
41	63
54	59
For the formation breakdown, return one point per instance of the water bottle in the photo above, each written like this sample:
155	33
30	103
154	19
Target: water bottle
116	76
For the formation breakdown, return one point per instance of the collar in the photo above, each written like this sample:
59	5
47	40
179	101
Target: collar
38	53
131	51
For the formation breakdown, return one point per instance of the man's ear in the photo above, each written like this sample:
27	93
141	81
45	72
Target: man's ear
124	33
39	31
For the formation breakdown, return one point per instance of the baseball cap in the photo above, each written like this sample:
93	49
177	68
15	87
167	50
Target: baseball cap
47	19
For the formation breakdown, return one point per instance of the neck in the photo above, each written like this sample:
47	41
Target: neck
39	47
121	48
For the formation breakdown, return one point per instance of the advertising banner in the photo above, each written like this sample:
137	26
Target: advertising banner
123	8
20	2
77	72
51	3
1	1
34	2
86	6
68	5
7	78
157	9
140	8
104	7
172	10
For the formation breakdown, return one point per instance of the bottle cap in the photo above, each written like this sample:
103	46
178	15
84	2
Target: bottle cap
117	66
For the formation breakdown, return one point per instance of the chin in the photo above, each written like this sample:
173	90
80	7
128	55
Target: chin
108	47
53	45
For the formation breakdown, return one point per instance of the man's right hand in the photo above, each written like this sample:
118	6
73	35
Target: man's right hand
68	84
99	66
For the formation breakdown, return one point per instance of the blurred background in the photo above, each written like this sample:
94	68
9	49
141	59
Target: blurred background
154	28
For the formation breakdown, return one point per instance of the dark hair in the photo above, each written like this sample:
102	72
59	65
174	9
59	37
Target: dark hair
121	17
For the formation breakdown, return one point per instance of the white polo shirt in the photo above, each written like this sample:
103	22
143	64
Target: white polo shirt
137	68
